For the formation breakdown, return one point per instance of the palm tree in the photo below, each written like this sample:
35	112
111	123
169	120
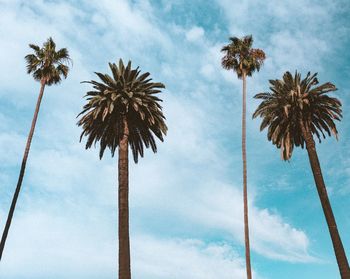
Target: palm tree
47	66
123	110
294	111
244	60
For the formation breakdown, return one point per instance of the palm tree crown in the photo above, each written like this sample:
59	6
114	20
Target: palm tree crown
240	56
47	64
293	104
124	96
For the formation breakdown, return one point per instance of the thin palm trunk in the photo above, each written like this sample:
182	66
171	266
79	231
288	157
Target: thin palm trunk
123	203
245	190
326	206
21	174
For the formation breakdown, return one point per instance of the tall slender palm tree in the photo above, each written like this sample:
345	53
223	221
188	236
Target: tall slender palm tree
48	66
240	57
123	110
294	111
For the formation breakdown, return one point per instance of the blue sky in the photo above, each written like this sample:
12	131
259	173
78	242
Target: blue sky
186	201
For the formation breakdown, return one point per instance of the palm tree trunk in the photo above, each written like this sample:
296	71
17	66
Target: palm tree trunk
123	203
326	206
21	174
245	190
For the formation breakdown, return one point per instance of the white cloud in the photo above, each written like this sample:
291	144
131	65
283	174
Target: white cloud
46	241
185	258
195	34
70	244
12	148
213	206
287	53
207	71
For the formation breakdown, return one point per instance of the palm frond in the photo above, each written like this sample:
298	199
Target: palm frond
125	94
47	64
241	57
294	102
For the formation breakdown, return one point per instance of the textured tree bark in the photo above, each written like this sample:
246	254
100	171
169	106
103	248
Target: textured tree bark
245	190
123	204
21	173
326	206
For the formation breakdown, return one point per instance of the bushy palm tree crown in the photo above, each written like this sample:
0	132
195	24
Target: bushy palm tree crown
47	64
125	97
240	56
292	103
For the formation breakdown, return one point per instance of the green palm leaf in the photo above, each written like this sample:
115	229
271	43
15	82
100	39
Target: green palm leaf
240	56
127	94
47	64
293	102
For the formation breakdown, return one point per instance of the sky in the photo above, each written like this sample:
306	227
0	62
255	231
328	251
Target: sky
186	212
